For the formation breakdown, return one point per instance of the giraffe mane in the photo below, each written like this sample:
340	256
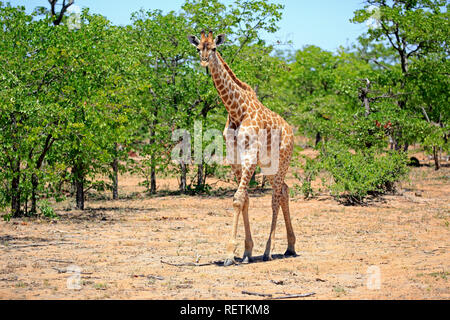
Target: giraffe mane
238	82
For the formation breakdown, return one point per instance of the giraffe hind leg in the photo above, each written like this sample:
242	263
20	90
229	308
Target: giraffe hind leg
276	197
290	252
280	198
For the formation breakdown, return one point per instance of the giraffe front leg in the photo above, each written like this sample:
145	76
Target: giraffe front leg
240	204
231	247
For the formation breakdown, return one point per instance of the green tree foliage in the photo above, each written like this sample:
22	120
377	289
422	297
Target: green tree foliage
175	92
60	102
332	91
354	102
165	88
30	113
77	99
417	34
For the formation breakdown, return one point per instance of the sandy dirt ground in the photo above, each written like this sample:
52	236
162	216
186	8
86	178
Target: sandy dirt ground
395	248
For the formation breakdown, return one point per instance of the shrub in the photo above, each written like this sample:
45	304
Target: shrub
358	175
46	209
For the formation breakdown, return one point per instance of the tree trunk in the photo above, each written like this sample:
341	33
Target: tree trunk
183	181
15	168
406	147
79	194
34	178
79	186
15	190
115	179
318	138
437	165
200	176
205	173
152	157
153	179
26	205
34	185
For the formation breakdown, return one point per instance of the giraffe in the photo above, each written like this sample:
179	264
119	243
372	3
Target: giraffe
247	118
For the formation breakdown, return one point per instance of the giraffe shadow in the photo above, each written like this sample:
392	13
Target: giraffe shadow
257	259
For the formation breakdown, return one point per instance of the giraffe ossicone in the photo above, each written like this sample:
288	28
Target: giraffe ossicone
249	130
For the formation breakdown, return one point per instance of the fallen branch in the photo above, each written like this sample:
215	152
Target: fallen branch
152	277
65	271
189	264
57	260
6	279
291	296
38	244
257	294
60	261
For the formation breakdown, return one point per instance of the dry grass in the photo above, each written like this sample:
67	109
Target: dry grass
119	245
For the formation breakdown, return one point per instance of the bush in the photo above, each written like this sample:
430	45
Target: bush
358	175
46	209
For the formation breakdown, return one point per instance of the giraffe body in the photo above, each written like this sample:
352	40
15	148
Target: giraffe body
250	128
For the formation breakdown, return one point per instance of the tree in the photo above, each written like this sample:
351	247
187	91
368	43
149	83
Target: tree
30	113
165	88
244	51
337	108
94	96
176	92
417	32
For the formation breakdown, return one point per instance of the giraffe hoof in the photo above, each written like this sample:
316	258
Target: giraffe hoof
267	257
247	259
228	262
290	253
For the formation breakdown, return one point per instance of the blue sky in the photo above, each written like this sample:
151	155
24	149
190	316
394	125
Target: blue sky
324	23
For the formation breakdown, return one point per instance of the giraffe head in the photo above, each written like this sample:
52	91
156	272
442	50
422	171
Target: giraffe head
206	46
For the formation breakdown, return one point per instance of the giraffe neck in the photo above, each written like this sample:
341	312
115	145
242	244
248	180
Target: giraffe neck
233	92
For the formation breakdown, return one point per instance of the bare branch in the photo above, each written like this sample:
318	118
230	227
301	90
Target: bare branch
190	264
415	50
425	114
64	8
291	296
379	64
387	34
257	294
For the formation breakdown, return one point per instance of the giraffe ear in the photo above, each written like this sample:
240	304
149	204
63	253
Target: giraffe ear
194	40
220	39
